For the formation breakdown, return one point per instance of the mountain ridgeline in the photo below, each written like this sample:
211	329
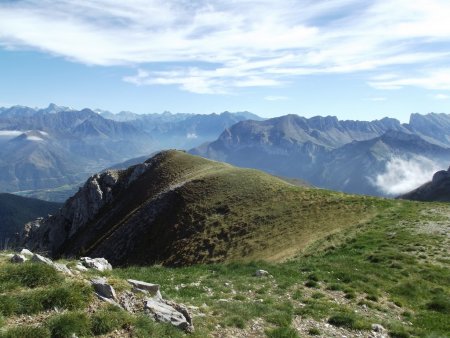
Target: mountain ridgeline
341	155
60	147
178	209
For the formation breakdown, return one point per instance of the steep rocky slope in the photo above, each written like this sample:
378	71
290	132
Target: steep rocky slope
180	209
438	189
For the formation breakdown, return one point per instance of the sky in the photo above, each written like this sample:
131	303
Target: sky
355	59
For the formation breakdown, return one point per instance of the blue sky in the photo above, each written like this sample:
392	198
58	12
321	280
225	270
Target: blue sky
356	59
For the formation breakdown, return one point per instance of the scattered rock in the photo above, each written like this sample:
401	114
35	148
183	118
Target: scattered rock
41	259
261	273
169	312
44	260
18	258
26	252
378	328
62	268
80	267
153	289
103	289
100	264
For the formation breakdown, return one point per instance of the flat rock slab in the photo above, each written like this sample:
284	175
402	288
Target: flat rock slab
153	289
100	264
169	312
44	260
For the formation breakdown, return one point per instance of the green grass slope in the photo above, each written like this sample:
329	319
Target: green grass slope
391	270
15	211
187	210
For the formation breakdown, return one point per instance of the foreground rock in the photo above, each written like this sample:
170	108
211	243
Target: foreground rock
26	252
163	310
44	260
169	312
99	264
18	258
153	289
103	289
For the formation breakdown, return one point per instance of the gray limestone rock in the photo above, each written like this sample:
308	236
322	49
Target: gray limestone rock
100	264
103	289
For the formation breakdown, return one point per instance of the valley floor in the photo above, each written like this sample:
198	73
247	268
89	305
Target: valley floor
388	276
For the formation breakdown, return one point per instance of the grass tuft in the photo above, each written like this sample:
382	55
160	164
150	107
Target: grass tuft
68	324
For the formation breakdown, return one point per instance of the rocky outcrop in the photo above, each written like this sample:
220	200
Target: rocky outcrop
169	312
438	189
100	190
58	266
154	305
99	264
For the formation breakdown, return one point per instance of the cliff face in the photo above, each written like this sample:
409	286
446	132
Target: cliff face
100	191
438	189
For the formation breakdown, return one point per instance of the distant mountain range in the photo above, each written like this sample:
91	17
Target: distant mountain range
56	147
49	152
348	156
438	189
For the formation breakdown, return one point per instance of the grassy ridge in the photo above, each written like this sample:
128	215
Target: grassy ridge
220	213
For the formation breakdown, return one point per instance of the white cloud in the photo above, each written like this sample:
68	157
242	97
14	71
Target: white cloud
275	98
7	133
403	175
34	138
234	43
191	136
438	79
441	97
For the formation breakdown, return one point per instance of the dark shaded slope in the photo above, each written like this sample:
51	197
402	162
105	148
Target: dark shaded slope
15	211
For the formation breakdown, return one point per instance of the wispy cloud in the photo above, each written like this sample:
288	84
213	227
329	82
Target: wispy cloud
275	98
436	79
441	97
220	46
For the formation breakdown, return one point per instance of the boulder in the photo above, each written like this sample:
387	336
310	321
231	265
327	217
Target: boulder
44	260
103	289
100	264
169	312
26	252
18	258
